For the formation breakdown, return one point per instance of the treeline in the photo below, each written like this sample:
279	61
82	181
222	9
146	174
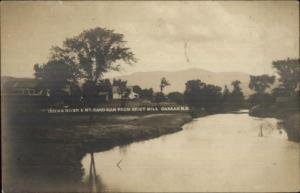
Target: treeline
73	76
280	99
200	96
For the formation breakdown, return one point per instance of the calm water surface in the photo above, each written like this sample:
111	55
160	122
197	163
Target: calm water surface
223	152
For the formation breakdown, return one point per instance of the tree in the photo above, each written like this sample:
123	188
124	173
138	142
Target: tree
94	52
159	97
57	78
106	86
226	92
137	89
147	94
121	85
287	94
176	97
289	72
225	98
123	90
237	96
260	83
192	93
212	97
236	85
202	96
163	84
90	92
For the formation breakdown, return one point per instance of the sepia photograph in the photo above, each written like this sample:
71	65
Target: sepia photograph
150	96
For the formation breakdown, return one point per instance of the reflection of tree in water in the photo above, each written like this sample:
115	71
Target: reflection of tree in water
35	163
123	149
94	181
271	128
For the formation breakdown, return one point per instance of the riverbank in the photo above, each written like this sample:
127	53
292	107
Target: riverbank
290	119
43	154
106	131
291	125
191	160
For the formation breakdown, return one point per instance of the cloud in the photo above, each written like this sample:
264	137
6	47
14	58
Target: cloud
221	36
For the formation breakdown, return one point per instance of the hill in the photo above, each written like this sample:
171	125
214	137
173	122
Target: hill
179	78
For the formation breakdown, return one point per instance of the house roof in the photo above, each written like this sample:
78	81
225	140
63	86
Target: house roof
11	82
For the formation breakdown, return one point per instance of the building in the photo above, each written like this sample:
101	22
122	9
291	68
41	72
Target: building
117	95
20	86
104	96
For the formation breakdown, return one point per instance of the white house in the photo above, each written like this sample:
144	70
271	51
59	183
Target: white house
116	94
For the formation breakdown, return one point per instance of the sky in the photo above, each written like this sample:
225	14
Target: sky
218	36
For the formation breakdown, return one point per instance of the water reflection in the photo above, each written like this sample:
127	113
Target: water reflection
225	152
33	162
205	156
94	181
123	149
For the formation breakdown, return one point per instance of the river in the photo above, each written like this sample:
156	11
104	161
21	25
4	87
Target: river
223	152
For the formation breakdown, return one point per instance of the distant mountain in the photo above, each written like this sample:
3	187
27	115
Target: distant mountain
179	78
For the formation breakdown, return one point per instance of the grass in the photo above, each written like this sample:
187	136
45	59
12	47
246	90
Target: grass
107	131
44	154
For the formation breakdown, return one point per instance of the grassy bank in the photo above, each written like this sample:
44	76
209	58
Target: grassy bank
106	131
97	132
43	154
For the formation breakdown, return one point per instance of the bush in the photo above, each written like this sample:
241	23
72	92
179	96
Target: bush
159	97
176	97
263	99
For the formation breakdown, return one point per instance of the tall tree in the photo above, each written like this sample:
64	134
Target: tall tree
260	83
289	72
57	78
106	86
95	52
122	90
225	97
226	92
89	55
163	84
237	96
212	97
200	95
192	94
